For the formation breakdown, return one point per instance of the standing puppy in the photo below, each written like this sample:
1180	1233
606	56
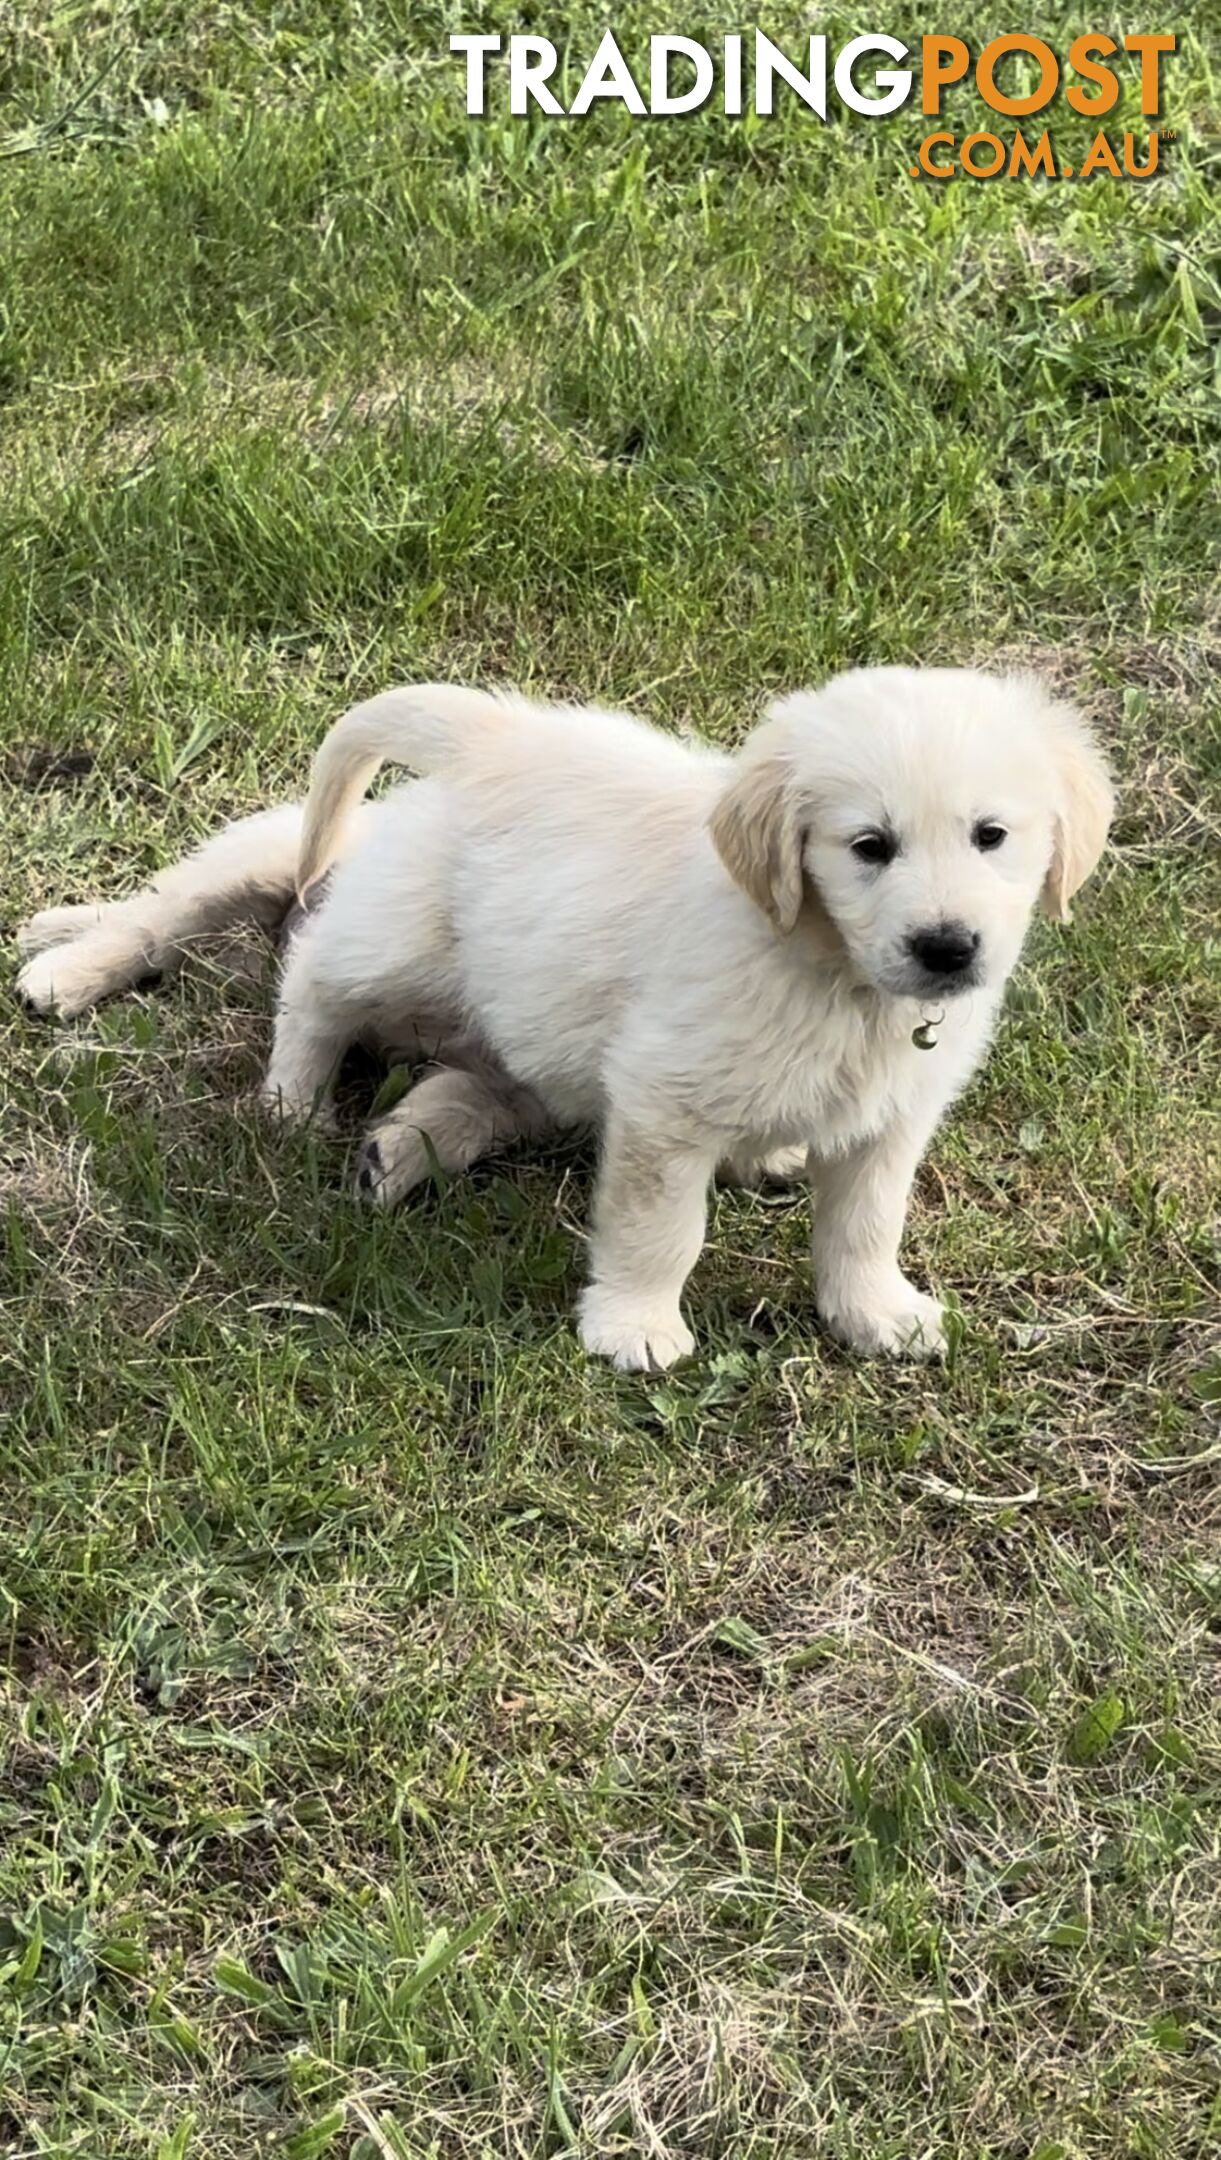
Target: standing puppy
713	958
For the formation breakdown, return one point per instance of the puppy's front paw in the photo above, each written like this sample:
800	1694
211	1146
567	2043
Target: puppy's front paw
289	1110
634	1338
54	926
53	983
905	1323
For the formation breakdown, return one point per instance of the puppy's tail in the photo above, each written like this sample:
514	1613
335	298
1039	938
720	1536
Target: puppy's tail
426	727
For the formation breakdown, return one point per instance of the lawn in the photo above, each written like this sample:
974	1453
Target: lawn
416	1740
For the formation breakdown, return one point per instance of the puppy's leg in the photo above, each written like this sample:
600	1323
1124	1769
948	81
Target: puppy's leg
313	1028
860	1202
245	872
453	1115
649	1213
375	960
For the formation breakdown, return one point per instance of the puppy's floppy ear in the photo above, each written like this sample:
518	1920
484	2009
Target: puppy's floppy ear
757	828
1085	806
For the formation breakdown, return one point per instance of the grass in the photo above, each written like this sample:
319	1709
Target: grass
417	1741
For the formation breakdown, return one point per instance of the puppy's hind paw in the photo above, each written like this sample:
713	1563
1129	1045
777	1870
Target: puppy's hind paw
370	1170
634	1338
784	1166
393	1159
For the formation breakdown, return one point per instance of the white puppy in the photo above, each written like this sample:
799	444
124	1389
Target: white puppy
715	959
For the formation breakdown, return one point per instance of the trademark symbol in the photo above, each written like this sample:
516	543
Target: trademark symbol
1167	134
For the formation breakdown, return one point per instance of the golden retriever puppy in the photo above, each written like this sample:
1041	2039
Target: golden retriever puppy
795	953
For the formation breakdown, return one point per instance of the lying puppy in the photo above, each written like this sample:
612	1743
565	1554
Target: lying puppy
716	959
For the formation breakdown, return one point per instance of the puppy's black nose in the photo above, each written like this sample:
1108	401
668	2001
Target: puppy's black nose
947	949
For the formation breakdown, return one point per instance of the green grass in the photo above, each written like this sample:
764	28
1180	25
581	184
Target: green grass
417	1741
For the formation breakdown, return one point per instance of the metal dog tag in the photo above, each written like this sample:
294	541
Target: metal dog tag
925	1035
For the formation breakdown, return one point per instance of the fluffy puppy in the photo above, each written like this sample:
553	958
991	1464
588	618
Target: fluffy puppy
797	952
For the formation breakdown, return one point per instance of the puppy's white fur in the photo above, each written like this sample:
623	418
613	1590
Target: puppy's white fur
586	920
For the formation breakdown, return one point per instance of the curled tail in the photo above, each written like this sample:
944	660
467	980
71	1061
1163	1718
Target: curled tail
425	727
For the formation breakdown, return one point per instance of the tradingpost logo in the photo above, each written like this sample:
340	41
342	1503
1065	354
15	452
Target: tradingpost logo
1016	77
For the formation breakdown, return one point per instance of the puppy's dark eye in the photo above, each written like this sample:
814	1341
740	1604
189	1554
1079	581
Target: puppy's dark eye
878	848
988	835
